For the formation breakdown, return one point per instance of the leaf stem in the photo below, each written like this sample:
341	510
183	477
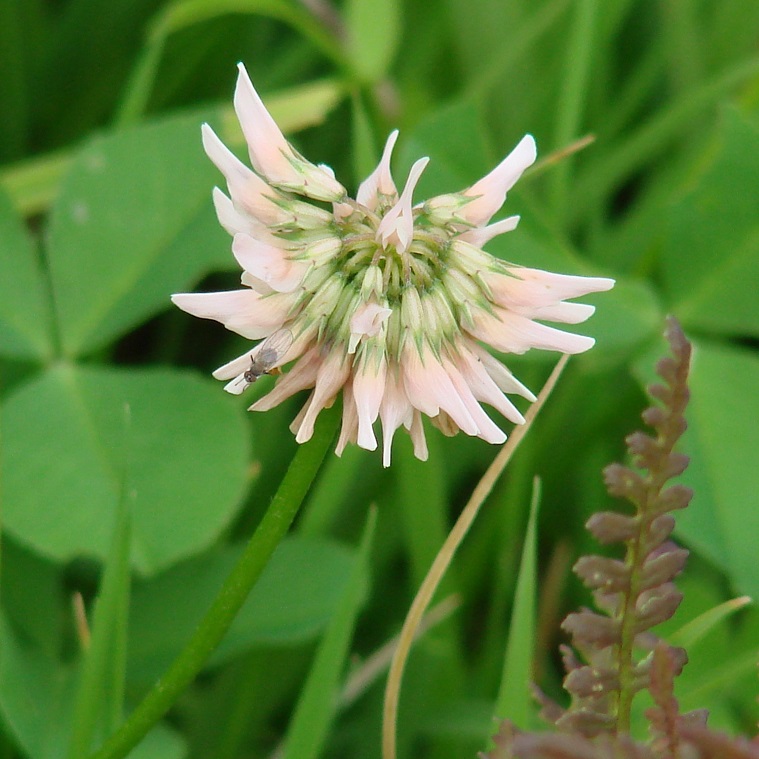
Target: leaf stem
273	527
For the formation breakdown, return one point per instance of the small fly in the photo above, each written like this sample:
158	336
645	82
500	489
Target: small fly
269	352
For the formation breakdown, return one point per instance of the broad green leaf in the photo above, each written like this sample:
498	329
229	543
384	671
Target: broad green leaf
24	302
133	222
711	253
627	318
454	139
36	704
64	449
295	597
318	701
721	439
373	35
33	596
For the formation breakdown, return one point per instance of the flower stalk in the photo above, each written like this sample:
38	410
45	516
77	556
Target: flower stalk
233	593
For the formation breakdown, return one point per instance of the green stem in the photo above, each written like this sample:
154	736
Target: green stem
273	527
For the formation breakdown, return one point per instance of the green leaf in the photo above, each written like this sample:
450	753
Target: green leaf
133	222
697	628
295	597
318	700
63	453
711	251
373	35
36	704
454	139
722	439
627	318
24	301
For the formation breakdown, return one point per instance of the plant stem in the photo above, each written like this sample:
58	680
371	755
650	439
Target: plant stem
273	527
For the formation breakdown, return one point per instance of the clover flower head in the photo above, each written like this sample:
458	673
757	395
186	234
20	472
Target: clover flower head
388	302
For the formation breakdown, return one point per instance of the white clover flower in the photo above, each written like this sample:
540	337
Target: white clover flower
386	301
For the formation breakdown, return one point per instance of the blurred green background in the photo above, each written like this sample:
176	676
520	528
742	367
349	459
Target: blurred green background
105	209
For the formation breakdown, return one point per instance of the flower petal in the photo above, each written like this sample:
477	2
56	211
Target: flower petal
397	225
430	389
512	333
349	427
416	431
248	190
331	376
380	181
484	387
490	192
368	389
503	378
395	409
533	287
270	153
480	236
246	312
268	263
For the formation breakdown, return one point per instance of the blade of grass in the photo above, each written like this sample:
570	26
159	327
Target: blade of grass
272	528
318	700
514	700
100	694
651	139
692	632
443	560
573	94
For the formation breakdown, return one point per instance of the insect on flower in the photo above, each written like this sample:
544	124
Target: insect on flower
267	355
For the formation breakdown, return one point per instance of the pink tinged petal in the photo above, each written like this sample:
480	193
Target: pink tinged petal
512	333
533	287
490	192
395	410
268	263
397	225
234	221
429	388
248	190
503	378
480	236
566	313
484	387
380	181
330	377
301	376
368	389
270	153
487	429
243	311
349	428
255	284
233	368
367	321
416	431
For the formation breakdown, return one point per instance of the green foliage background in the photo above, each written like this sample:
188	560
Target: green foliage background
106	397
